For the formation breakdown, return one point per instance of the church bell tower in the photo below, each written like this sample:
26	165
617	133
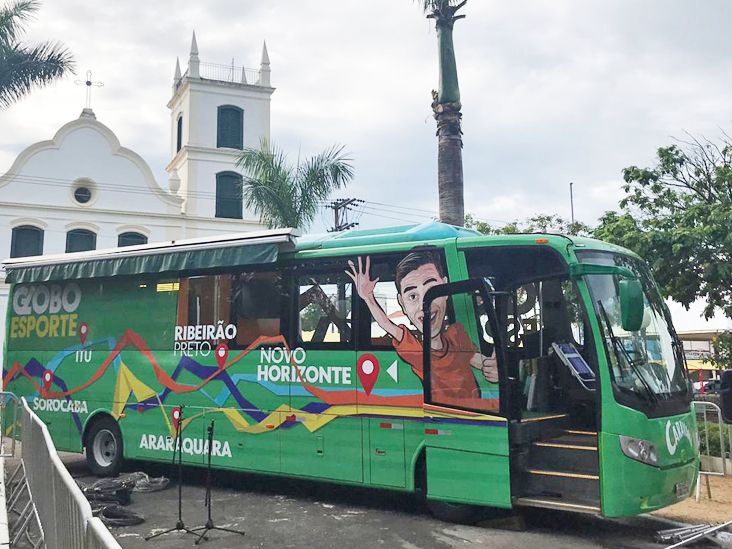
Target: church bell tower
216	111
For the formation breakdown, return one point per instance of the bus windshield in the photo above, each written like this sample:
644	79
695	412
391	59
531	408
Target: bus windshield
647	363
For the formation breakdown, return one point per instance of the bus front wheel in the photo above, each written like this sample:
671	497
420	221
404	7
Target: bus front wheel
459	513
104	447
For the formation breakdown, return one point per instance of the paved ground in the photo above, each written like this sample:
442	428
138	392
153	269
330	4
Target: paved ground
285	513
714	505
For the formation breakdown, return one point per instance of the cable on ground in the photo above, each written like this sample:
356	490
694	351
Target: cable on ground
116	515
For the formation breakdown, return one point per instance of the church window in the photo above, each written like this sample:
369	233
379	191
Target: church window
230	128
131	239
82	194
26	240
80	240
83	191
229	195
179	133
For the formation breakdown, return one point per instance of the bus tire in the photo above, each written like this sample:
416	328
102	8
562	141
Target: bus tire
459	513
103	447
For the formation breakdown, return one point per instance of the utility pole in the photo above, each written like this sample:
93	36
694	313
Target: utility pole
340	208
571	200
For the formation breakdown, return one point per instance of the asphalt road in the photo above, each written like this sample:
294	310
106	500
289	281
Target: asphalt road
277	512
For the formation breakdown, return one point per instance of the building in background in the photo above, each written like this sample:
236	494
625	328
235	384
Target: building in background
698	349
82	190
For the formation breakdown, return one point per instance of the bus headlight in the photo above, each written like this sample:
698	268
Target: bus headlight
639	450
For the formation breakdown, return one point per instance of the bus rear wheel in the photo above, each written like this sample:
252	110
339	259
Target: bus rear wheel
104	447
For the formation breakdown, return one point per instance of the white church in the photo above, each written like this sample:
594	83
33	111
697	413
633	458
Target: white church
83	190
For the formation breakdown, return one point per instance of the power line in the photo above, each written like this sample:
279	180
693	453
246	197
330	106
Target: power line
412	211
431	212
114	187
394	218
400	211
363	207
385	213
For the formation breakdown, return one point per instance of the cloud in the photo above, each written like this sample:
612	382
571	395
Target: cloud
553	91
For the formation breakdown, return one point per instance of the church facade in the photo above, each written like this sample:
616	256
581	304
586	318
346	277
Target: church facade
83	190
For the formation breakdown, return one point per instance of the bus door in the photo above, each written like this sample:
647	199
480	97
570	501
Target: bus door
466	440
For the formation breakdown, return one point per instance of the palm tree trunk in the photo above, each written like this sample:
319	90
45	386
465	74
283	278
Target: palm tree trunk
446	106
450	166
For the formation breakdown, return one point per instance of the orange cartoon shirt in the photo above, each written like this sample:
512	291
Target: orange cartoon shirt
452	376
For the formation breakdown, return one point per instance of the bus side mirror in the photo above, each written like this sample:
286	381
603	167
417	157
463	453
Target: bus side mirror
631	304
725	396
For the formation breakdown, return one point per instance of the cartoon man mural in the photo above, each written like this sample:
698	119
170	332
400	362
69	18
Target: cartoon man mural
453	352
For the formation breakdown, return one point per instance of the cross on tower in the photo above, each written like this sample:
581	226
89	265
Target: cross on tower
88	83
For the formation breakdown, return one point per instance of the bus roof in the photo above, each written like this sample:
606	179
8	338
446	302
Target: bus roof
432	230
255	247
261	247
435	231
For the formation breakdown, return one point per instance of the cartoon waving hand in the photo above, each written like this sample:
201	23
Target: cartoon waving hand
361	277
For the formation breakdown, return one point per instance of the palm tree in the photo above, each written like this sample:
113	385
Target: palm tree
290	196
446	106
24	67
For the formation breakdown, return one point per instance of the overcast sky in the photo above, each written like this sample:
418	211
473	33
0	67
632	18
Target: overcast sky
553	91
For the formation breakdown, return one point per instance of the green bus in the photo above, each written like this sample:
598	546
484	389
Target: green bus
528	370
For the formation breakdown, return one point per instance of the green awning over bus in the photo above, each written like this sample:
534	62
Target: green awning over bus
153	258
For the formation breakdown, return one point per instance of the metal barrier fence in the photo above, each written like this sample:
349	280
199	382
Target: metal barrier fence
8	419
712	430
64	514
714	433
98	536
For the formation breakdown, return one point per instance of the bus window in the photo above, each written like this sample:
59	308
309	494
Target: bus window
463	372
324	307
203	300
256	306
383	269
539	307
248	304
524	315
574	312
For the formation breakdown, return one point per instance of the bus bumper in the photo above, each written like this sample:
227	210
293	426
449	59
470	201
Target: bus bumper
629	487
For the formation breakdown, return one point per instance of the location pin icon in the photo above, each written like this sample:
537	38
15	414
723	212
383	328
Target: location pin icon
47	379
367	369
222	353
83	332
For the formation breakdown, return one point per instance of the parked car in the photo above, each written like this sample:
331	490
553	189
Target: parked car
710	386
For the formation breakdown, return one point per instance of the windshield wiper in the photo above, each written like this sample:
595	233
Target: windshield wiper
619	347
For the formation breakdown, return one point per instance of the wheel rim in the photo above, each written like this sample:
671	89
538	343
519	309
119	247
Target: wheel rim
105	448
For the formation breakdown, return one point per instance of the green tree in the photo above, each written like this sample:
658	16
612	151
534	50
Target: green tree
677	215
283	195
721	357
540	223
446	107
310	315
24	67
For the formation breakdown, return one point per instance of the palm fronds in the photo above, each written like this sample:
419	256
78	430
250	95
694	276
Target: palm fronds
435	6
13	19
24	67
286	196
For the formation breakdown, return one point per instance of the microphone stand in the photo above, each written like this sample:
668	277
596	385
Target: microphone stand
177	447
207	502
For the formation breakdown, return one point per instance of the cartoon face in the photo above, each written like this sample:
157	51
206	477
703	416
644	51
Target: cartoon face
411	296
